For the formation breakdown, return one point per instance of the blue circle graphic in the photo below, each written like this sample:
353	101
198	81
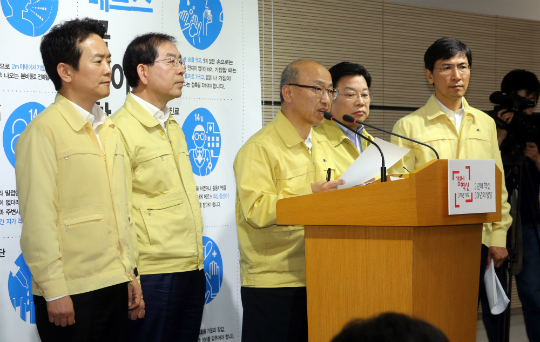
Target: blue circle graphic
15	125
30	17
213	269
200	21
203	139
20	290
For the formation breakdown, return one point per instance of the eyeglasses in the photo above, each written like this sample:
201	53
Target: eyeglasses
448	69
172	61
319	91
353	95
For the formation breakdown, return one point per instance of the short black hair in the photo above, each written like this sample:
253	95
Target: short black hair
347	69
390	327
520	79
61	45
142	50
445	48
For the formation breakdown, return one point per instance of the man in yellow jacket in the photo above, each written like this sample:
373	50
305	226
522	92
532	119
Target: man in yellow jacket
284	159
76	235
456	131
352	81
165	206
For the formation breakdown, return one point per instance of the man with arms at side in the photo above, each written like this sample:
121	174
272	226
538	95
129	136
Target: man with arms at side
284	159
457	131
76	235
165	205
352	81
525	84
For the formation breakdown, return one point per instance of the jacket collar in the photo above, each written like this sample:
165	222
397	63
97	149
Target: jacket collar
69	112
433	109
140	113
286	130
333	132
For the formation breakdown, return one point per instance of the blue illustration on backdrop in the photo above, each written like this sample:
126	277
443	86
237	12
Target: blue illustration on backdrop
15	125
20	290
203	139
124	5
30	17
200	21
213	269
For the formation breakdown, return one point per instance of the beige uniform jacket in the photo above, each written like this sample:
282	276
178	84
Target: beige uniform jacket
345	153
477	140
76	235
165	206
275	163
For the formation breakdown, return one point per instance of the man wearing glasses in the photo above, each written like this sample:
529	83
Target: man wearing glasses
456	131
352	81
284	159
164	203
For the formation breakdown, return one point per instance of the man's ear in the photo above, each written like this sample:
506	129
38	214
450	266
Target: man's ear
287	94
65	72
429	76
142	71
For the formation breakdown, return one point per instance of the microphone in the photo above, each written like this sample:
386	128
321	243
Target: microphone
329	116
349	118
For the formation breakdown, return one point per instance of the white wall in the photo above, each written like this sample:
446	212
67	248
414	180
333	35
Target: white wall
524	9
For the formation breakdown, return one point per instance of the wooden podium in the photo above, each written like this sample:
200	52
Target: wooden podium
390	247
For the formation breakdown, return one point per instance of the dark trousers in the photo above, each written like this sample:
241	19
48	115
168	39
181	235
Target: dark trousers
174	307
491	322
274	314
100	315
528	283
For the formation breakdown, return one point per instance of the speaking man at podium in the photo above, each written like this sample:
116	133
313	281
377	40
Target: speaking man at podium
352	81
286	158
456	131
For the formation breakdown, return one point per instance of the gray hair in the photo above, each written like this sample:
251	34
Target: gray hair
288	76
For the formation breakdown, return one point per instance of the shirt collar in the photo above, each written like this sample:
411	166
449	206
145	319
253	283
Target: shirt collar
160	115
96	118
449	112
354	138
433	110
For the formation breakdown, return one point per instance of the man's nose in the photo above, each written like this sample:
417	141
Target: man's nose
326	97
456	74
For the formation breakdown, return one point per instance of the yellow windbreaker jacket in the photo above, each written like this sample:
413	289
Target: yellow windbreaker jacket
165	206
345	153
275	163
76	235
477	140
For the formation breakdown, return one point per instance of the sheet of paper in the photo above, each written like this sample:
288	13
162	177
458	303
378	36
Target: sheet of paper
368	164
498	301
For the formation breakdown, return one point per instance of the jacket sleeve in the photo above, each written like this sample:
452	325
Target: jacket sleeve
409	160
256	185
499	229
36	171
129	187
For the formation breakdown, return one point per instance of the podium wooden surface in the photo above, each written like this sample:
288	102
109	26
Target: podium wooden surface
390	247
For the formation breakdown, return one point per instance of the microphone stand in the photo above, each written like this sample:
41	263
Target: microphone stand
350	119
329	116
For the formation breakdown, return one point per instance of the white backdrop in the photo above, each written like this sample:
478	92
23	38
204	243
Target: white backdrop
220	42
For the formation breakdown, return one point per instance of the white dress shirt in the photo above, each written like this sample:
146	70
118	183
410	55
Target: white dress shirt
456	117
308	141
160	115
96	118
